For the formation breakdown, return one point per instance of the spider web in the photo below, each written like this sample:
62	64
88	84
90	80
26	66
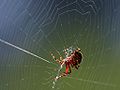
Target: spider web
31	29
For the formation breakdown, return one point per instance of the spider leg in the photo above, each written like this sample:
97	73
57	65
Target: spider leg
61	58
78	49
68	69
65	51
53	56
76	66
56	59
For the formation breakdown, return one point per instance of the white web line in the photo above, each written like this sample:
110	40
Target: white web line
25	51
94	82
60	68
85	12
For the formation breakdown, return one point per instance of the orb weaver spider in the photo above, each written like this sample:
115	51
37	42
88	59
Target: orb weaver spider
73	59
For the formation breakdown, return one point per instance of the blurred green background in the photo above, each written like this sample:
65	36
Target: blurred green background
45	26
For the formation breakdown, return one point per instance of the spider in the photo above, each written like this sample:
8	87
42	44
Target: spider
73	59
